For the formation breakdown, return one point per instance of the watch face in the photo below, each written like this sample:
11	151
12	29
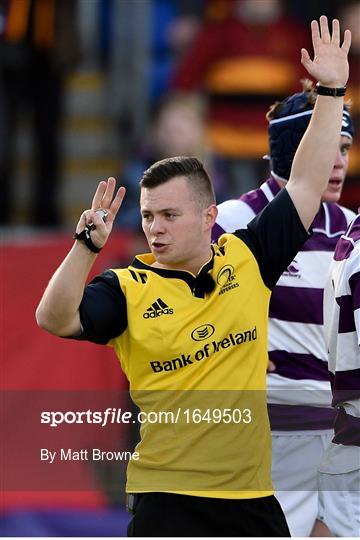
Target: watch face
102	213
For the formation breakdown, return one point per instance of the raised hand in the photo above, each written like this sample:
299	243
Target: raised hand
330	66
104	199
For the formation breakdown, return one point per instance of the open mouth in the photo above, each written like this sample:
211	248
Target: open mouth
335	183
158	245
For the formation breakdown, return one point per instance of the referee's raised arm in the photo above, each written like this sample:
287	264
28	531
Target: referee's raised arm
316	153
58	310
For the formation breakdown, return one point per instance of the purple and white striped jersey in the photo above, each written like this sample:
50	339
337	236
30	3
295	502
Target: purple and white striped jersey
342	332
299	393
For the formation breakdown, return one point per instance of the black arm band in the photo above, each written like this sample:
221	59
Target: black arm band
334	92
86	238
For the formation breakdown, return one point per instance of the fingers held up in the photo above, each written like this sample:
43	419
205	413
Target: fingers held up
104	197
330	64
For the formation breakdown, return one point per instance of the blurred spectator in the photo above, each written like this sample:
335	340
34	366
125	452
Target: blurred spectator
349	15
141	42
178	128
244	57
38	47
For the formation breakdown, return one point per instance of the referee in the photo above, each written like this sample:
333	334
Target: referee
188	322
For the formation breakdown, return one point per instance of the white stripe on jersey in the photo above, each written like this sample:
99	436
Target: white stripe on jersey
267	191
311	268
357	324
234	215
305	338
346	360
304	391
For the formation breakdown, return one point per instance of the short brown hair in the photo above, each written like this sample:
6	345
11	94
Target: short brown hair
190	167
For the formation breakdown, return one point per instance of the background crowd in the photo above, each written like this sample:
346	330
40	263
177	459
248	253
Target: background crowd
98	87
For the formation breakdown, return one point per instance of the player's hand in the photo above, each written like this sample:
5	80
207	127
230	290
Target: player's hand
330	65
271	367
104	198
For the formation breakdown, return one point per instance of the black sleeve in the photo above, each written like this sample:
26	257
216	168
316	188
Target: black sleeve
103	313
274	237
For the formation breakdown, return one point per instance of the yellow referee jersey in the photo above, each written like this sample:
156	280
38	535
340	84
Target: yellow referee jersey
196	360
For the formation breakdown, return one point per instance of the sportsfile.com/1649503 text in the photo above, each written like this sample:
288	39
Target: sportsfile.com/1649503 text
113	415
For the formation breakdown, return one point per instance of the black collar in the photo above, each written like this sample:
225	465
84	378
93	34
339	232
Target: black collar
199	285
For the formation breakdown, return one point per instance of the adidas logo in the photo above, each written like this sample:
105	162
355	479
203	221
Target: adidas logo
157	309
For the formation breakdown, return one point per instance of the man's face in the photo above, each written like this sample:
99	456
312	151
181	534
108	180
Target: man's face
335	185
177	230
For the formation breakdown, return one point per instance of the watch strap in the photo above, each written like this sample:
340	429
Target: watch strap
86	238
334	92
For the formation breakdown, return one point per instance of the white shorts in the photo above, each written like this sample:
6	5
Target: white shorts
339	502
296	457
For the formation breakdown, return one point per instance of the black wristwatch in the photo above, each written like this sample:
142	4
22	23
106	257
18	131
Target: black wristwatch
86	237
334	92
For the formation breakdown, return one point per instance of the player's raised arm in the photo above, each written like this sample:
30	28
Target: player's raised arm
58	311
316	153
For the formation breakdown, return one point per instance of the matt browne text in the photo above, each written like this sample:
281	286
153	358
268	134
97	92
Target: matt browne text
84	454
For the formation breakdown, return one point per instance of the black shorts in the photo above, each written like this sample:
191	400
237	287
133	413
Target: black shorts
168	514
